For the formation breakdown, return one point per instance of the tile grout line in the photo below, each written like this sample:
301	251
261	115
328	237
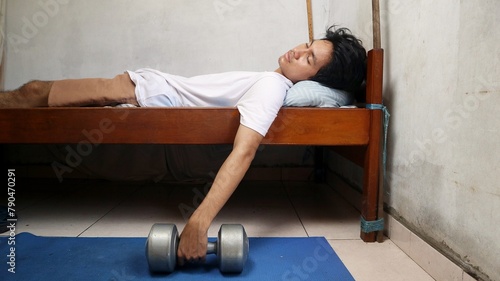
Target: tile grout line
110	210
294	208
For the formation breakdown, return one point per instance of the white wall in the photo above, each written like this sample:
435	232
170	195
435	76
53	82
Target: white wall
55	39
355	15
2	27
442	86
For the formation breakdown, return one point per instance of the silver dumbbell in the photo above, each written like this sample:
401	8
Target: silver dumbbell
231	248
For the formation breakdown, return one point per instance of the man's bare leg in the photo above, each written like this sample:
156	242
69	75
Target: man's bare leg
31	94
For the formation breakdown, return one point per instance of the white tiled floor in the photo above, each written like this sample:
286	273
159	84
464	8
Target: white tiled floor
270	209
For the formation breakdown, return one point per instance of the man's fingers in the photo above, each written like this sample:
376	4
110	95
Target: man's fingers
181	260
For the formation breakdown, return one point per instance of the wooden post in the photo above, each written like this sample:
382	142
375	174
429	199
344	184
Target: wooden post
310	20
371	185
377	41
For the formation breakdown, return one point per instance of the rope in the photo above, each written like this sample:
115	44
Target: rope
386	117
372	226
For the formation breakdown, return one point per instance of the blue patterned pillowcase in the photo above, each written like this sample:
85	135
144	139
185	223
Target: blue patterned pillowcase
313	94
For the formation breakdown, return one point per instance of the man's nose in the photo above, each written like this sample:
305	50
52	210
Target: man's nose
297	53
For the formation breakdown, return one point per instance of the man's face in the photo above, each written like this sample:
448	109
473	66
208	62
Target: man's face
304	61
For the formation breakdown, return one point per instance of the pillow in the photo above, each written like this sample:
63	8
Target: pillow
312	93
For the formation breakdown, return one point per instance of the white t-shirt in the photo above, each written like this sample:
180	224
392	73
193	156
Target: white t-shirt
257	95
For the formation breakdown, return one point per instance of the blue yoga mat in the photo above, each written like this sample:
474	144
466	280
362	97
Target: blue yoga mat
123	259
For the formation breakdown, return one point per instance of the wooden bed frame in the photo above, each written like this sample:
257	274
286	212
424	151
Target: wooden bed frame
354	133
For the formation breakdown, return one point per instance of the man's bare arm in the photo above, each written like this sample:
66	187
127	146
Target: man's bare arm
193	243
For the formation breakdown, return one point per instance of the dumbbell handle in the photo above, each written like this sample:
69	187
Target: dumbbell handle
212	248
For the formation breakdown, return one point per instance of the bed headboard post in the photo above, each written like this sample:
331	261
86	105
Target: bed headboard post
372	196
374	76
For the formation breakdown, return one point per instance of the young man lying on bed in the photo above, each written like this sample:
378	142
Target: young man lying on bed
337	61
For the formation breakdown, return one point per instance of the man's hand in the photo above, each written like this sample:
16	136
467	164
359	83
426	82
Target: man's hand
192	244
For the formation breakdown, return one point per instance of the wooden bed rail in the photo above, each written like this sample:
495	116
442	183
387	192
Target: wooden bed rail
293	126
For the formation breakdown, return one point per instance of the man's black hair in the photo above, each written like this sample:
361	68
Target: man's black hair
347	68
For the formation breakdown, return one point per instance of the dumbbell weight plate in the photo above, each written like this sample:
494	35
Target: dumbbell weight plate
161	247
232	248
